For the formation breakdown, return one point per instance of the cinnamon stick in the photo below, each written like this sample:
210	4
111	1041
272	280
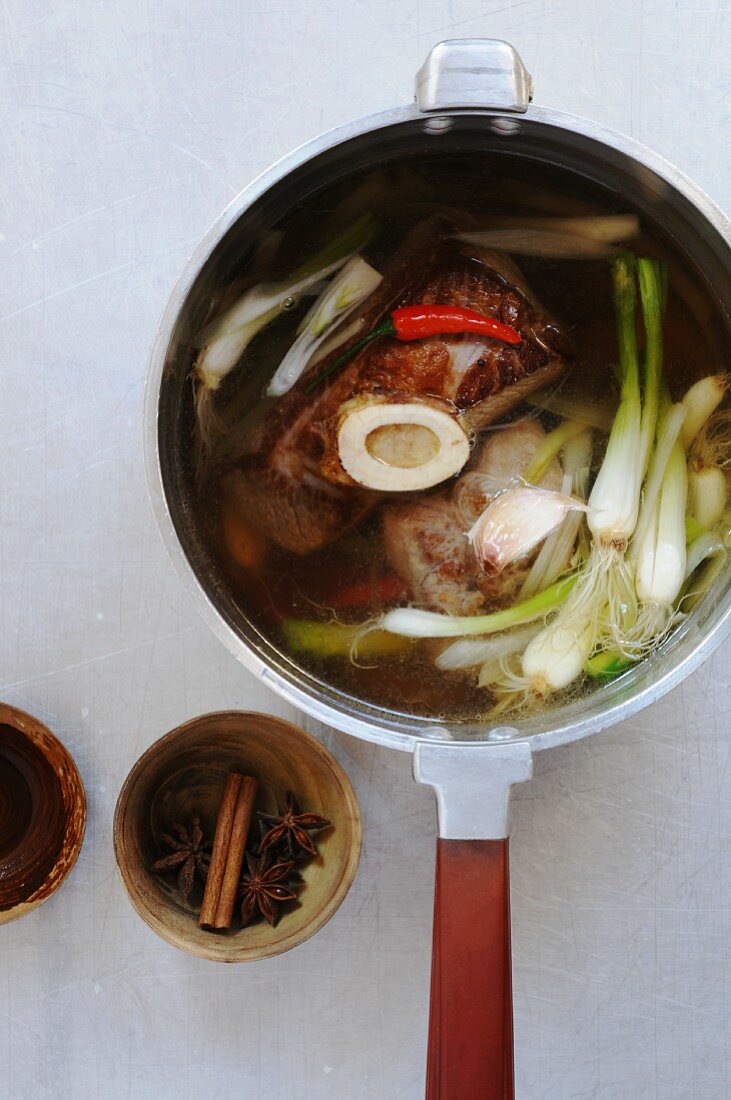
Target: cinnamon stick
219	851
237	846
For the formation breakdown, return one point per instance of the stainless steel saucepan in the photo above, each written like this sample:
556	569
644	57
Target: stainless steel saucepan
470	94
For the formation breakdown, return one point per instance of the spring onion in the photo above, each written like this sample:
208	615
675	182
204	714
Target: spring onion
725	528
709	456
602	606
341	334
412	622
707	545
538	242
549	448
339	640
351	286
223	342
610	228
651	277
614	499
266	298
693	530
593	414
229	337
661	554
667	435
606	665
556	656
469	652
711	550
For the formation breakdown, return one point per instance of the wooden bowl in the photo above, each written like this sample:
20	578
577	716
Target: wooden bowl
184	773
42	813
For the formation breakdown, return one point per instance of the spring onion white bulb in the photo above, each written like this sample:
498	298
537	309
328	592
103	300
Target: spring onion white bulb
555	658
670	427
351	286
661	554
707	493
701	400
614	499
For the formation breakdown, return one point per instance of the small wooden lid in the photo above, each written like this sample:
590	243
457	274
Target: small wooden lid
42	813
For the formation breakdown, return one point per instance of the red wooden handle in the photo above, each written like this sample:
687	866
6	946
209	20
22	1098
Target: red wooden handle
471	1016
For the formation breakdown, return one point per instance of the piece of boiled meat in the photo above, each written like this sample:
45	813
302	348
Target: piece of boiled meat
287	476
426	539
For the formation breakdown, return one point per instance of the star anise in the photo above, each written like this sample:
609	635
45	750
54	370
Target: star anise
190	853
291	827
264	886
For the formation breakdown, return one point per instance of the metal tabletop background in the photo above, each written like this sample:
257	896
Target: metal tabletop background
125	127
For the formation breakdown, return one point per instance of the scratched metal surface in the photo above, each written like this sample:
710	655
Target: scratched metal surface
125	127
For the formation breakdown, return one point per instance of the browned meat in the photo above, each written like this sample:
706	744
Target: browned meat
426	539
288	476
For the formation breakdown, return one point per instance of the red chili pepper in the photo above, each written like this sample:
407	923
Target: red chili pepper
417	322
420	321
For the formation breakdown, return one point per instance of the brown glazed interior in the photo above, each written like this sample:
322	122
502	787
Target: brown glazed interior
185	772
42	813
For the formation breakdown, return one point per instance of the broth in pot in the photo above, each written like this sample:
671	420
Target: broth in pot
461	437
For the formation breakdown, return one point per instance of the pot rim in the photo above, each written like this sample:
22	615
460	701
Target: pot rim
305	700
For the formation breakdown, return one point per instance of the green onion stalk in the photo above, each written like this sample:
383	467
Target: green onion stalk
603	607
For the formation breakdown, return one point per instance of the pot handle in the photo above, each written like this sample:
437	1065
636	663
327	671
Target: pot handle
475	74
471	1020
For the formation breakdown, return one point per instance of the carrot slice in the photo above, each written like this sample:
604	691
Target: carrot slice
244	544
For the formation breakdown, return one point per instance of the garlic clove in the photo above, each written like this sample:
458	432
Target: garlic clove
515	522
